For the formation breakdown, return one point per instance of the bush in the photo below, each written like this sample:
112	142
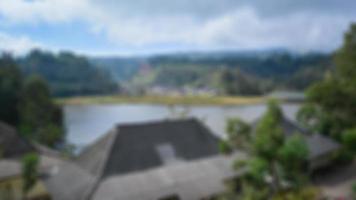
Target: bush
308	193
353	191
224	147
29	171
349	139
343	156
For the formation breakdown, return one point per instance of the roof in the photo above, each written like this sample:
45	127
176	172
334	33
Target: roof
318	144
68	181
135	147
187	180
9	139
9	168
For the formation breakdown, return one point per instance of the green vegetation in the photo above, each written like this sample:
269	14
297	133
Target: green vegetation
41	120
10	90
276	164
68	74
224	147
228	73
29	171
27	105
167	100
353	191
331	103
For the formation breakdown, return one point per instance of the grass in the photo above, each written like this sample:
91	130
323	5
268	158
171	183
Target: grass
167	100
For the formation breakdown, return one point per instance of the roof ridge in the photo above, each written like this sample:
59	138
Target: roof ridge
154	122
100	176
115	132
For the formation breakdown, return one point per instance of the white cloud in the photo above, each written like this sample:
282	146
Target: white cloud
35	11
17	45
202	24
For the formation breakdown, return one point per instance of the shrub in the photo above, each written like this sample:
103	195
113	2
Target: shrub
224	147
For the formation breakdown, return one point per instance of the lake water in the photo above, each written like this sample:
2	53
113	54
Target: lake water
85	123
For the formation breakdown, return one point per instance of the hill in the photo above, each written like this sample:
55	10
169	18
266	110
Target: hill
68	74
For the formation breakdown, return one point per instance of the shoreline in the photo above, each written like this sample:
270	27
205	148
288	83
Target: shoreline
162	100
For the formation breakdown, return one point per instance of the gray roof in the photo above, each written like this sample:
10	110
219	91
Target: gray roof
318	144
68	181
9	168
187	180
9	139
133	147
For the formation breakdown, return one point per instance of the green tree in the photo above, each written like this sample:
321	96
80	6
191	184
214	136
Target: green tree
29	171
349	140
238	133
41	119
331	103
10	88
273	159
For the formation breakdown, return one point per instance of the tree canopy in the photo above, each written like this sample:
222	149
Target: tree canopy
331	103
274	159
10	89
68	74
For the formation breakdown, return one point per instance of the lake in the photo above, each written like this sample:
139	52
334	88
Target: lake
85	123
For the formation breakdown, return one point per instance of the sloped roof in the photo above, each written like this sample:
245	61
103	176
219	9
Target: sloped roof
9	139
9	168
187	180
70	182
318	144
133	147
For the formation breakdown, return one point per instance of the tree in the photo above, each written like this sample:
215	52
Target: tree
236	82
331	103
271	155
349	140
10	88
29	171
68	74
41	119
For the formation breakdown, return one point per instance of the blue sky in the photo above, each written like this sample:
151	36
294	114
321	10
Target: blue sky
129	27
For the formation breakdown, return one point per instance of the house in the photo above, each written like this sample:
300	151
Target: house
171	159
321	147
13	148
10	139
11	183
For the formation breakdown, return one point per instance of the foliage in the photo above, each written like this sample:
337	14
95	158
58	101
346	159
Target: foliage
229	73
293	156
10	88
224	147
334	98
353	191
41	119
236	82
238	132
307	193
276	163
29	171
343	156
349	139
68	74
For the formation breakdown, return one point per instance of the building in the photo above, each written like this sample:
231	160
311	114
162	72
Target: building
162	160
10	139
11	183
13	148
156	160
321	148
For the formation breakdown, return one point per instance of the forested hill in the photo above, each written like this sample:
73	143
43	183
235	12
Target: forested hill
253	72
259	63
67	73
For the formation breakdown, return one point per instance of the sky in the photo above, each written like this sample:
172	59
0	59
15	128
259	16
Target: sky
132	27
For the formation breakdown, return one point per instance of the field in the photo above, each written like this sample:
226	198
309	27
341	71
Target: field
168	100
